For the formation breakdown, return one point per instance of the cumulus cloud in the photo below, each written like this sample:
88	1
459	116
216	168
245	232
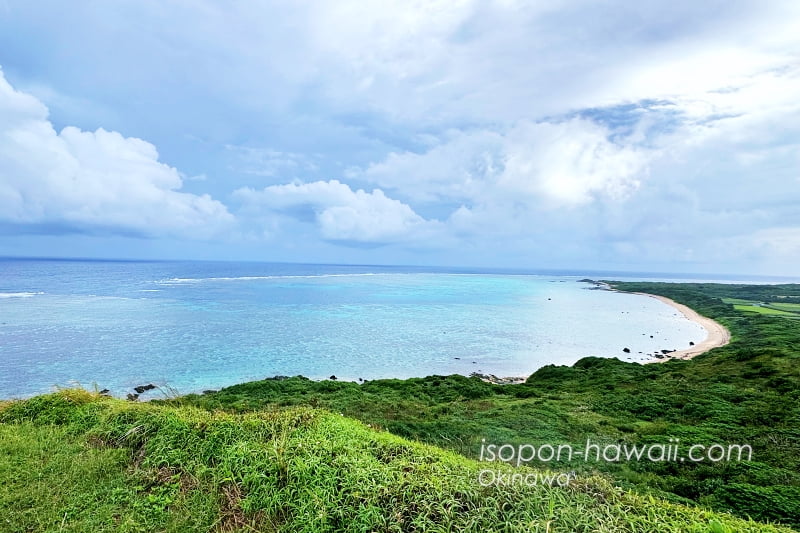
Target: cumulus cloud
505	60
91	181
340	213
579	129
571	163
507	179
429	63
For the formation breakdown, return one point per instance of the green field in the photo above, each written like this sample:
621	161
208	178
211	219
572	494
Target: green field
775	306
737	301
793	308
401	455
764	310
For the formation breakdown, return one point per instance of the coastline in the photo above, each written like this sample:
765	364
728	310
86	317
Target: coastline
717	334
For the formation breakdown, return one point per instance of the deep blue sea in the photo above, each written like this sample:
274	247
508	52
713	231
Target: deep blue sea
190	326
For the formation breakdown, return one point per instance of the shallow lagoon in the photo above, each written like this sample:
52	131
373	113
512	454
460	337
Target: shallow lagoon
194	326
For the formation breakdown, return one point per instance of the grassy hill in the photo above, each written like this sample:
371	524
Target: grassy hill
400	455
75	461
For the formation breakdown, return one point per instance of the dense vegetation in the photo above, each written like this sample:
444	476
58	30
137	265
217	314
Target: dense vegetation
277	455
747	392
76	461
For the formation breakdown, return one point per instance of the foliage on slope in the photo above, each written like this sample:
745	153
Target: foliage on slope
74	461
746	392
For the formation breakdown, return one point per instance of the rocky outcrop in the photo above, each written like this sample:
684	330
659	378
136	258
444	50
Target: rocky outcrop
491	378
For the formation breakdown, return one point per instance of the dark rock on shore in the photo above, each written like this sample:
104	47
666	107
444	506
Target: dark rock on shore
596	285
491	378
144	388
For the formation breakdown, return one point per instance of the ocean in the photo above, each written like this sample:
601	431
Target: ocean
191	326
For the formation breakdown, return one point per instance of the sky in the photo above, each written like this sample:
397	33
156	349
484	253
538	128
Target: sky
587	135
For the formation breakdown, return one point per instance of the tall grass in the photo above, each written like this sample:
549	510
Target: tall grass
74	461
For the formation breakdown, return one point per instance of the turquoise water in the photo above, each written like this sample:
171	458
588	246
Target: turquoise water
194	326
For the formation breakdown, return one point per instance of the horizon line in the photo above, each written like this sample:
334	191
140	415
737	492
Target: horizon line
482	269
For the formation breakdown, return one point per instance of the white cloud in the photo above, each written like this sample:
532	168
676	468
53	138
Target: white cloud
340	213
570	163
543	165
86	181
446	62
463	111
456	167
779	243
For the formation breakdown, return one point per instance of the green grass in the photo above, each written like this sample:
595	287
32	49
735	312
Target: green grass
77	462
764	310
792	308
53	481
737	301
776	305
37	462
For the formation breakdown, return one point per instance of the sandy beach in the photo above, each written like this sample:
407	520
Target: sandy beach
718	335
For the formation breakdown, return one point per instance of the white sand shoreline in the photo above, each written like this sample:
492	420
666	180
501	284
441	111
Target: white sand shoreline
717	334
